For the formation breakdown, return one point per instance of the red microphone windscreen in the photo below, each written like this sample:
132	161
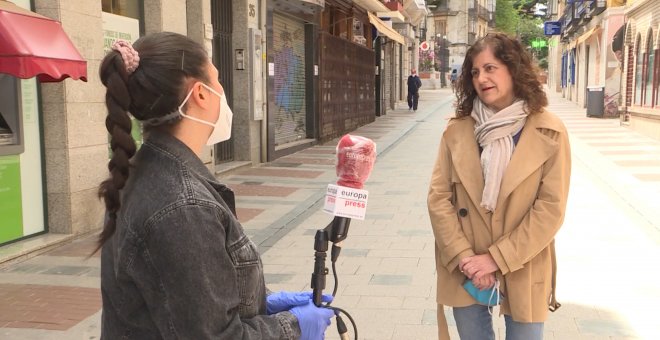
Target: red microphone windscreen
355	159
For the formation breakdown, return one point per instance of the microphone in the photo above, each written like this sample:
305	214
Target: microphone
355	160
345	200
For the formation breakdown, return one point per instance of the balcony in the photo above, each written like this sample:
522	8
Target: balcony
395	13
595	7
570	23
444	11
483	13
582	13
416	9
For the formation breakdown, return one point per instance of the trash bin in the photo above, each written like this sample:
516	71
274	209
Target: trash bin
595	101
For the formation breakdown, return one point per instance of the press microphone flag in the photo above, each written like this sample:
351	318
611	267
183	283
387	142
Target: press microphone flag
356	156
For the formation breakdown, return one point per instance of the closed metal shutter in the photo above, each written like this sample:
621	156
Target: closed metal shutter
289	60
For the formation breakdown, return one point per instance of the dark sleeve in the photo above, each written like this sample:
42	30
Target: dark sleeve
419	82
191	285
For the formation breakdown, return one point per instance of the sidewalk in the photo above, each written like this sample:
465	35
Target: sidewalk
386	269
611	235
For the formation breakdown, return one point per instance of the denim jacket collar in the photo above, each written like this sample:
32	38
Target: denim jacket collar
175	147
181	151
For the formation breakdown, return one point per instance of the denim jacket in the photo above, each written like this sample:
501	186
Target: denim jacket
179	265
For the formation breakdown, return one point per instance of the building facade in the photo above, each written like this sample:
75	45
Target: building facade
66	142
609	46
277	62
641	71
456	25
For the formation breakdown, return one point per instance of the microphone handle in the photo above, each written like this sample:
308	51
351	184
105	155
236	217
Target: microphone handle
320	271
339	228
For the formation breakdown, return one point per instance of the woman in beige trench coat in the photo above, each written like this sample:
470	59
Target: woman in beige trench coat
498	194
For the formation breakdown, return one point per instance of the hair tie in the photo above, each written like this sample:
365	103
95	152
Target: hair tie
128	54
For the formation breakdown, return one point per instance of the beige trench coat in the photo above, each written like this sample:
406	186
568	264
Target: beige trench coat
519	234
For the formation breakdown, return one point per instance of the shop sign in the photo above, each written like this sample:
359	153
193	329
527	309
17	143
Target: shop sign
552	27
118	27
346	202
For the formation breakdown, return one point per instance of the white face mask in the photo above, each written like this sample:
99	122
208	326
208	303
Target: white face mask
222	127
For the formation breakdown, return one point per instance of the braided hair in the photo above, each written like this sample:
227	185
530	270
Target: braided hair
150	92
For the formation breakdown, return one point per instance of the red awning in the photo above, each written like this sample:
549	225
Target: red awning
32	45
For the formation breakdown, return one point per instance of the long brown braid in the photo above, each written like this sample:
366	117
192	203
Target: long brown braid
152	91
118	124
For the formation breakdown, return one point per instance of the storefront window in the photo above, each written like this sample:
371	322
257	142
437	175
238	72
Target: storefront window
638	71
21	170
649	67
126	8
572	75
564	57
657	78
123	19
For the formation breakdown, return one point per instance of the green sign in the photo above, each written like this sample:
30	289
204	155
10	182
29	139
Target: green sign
539	43
11	210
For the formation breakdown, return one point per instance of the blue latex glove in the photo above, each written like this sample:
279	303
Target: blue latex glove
281	301
312	320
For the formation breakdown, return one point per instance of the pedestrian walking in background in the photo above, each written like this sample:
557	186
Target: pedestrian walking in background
175	262
452	79
498	196
414	83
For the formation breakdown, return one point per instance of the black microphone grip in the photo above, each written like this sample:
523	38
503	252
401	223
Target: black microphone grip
320	271
339	228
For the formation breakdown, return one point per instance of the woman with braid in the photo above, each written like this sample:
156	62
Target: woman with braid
498	196
176	263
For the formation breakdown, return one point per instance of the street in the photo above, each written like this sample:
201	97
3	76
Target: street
608	248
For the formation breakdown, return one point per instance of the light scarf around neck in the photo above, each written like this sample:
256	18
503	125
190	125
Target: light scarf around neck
494	132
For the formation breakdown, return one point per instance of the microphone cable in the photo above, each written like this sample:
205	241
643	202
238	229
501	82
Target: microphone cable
341	326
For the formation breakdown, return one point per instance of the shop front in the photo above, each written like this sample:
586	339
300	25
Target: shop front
292	57
33	48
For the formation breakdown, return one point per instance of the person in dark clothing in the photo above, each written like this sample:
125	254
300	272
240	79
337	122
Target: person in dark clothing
414	83
175	261
452	78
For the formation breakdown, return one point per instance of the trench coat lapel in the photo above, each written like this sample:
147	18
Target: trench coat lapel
532	151
466	162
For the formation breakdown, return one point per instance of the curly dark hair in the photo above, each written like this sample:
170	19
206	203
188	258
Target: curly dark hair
524	72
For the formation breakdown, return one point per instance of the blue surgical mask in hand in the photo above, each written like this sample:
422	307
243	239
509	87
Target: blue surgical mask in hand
487	297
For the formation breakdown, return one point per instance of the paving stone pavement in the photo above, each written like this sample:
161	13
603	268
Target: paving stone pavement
608	249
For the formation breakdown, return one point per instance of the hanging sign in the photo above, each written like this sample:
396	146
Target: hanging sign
552	27
424	46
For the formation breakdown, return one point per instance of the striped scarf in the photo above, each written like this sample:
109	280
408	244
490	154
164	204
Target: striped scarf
494	132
